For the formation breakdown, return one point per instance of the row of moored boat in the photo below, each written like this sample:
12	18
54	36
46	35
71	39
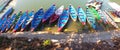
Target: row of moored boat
21	20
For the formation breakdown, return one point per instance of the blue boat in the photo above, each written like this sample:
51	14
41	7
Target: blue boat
91	18
5	25
37	19
63	19
11	21
73	13
48	13
81	16
3	21
20	21
18	15
5	15
28	20
8	12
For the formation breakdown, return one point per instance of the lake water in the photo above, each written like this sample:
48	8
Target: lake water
36	4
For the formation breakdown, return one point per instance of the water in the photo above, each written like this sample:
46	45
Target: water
117	1
36	4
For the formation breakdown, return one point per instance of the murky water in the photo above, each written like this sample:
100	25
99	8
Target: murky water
36	4
117	1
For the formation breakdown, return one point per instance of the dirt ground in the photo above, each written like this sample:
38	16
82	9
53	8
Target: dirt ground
22	43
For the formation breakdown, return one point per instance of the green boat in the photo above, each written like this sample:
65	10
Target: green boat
90	18
95	13
16	19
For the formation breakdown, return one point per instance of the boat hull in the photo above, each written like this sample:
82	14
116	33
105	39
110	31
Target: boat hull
49	13
20	21
37	19
27	21
91	20
56	15
10	22
5	25
73	13
53	18
82	16
63	20
109	19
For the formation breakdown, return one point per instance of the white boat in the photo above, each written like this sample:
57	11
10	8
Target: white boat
103	17
57	14
59	11
110	20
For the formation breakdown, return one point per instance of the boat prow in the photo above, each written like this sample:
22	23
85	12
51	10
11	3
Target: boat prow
63	19
81	16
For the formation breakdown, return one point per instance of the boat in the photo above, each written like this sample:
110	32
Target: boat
72	12
97	4
103	17
63	19
90	19
109	19
5	16
16	19
95	13
5	25
2	22
55	16
27	20
20	21
11	21
81	16
37	19
48	13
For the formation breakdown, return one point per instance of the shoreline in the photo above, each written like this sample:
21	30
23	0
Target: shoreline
60	36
